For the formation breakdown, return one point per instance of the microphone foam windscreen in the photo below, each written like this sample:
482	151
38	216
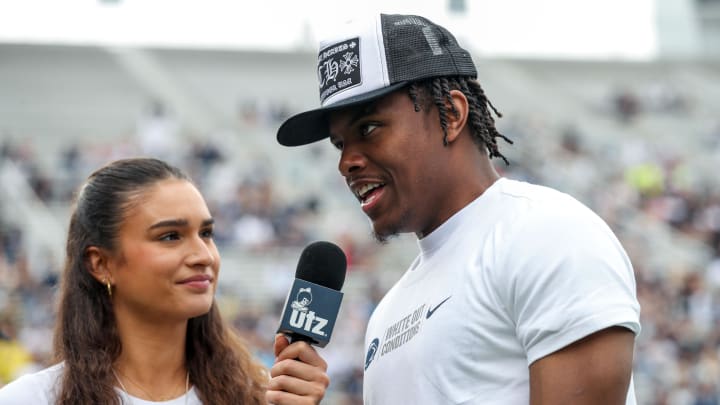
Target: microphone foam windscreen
322	263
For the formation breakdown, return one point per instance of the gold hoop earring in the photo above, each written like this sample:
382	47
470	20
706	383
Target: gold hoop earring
109	287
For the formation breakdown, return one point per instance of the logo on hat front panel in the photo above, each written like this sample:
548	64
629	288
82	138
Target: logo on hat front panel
339	67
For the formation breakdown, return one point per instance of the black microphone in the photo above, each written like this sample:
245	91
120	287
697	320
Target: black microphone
313	303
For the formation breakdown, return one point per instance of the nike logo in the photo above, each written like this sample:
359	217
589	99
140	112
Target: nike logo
432	310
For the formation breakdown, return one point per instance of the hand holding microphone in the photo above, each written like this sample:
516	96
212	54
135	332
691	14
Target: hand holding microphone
299	374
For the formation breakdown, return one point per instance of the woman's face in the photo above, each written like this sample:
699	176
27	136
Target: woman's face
167	263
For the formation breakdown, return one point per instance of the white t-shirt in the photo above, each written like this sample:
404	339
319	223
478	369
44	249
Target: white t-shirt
40	388
518	274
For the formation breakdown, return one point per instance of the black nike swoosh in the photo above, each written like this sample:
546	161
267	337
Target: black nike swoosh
432	310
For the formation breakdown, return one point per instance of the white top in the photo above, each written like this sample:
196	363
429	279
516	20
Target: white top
40	389
516	275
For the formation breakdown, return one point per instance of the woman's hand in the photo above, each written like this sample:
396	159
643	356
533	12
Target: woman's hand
299	375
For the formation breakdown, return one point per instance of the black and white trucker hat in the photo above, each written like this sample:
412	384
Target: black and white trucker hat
370	58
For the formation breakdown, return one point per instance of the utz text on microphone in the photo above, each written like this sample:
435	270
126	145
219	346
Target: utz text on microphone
313	303
310	311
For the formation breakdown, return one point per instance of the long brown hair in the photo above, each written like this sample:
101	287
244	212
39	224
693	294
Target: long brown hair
86	336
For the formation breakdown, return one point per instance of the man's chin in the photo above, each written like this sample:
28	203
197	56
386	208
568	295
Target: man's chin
384	236
384	231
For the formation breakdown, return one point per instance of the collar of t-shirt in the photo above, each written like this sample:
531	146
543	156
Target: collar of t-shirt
192	399
437	238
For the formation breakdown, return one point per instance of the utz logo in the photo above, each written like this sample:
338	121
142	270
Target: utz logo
302	300
304	318
339	67
372	349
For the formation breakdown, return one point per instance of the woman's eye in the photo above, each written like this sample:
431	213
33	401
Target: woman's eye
170	236
207	233
338	145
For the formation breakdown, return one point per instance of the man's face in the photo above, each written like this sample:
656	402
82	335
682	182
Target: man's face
392	158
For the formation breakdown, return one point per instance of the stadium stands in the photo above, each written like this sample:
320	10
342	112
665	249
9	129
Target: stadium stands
638	142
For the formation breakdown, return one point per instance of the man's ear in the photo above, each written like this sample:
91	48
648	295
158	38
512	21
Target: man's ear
456	120
97	264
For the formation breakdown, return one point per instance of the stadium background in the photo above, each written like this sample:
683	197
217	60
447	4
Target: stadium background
631	127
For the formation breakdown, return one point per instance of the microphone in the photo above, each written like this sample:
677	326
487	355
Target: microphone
313	302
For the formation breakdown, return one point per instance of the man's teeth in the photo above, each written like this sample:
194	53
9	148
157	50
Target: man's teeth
362	191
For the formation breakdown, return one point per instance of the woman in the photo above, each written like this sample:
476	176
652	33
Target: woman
137	321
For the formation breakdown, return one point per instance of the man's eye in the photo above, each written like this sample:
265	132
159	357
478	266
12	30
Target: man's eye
338	145
366	129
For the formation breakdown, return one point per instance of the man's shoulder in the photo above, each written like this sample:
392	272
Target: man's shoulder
538	193
542	202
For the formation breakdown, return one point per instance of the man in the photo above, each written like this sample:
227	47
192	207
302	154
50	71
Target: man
520	294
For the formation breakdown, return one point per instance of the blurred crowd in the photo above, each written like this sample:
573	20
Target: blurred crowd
664	208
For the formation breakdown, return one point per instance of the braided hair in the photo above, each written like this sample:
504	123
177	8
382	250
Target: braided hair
482	124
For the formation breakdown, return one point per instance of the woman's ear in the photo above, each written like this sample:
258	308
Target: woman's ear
97	264
456	120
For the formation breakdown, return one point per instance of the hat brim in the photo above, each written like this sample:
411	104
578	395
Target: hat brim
312	126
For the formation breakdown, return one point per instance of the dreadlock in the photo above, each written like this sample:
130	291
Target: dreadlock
482	123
